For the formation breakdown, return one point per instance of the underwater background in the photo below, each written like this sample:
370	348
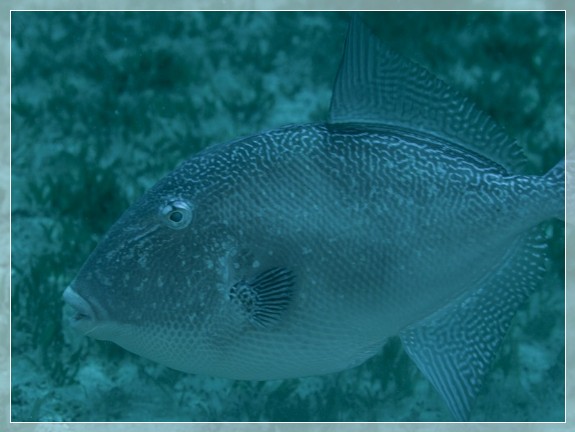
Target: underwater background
105	103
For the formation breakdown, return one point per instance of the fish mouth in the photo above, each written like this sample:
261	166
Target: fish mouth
84	317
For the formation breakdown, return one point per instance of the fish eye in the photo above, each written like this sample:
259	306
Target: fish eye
176	214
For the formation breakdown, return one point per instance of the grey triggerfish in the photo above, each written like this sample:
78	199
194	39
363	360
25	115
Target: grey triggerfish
299	251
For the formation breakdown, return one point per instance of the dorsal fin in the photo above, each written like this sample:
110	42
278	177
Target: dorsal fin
375	85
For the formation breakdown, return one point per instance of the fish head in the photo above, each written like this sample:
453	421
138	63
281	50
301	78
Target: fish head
159	272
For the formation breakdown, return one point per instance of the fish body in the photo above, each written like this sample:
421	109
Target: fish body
300	251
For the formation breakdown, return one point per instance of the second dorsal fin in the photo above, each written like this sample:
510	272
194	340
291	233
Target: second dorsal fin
375	85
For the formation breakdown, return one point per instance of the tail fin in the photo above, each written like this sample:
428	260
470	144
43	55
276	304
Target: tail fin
556	177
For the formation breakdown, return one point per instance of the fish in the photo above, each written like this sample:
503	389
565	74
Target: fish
302	250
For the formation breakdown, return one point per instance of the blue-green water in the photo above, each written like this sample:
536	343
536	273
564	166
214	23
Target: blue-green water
104	104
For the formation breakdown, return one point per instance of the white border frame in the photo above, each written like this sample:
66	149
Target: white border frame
222	5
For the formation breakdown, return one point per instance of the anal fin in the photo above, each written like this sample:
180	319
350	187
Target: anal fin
455	347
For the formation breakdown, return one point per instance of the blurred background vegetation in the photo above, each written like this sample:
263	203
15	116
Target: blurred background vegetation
104	104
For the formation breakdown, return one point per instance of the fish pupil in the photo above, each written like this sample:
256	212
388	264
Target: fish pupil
176	216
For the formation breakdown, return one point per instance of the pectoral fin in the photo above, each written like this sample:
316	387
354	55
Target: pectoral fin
263	298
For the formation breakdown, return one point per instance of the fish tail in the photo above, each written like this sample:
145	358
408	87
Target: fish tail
555	177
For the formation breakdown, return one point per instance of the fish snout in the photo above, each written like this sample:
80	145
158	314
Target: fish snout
84	317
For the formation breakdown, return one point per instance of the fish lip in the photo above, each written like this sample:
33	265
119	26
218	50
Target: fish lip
84	317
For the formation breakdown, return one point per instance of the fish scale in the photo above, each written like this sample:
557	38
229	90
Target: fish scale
300	251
